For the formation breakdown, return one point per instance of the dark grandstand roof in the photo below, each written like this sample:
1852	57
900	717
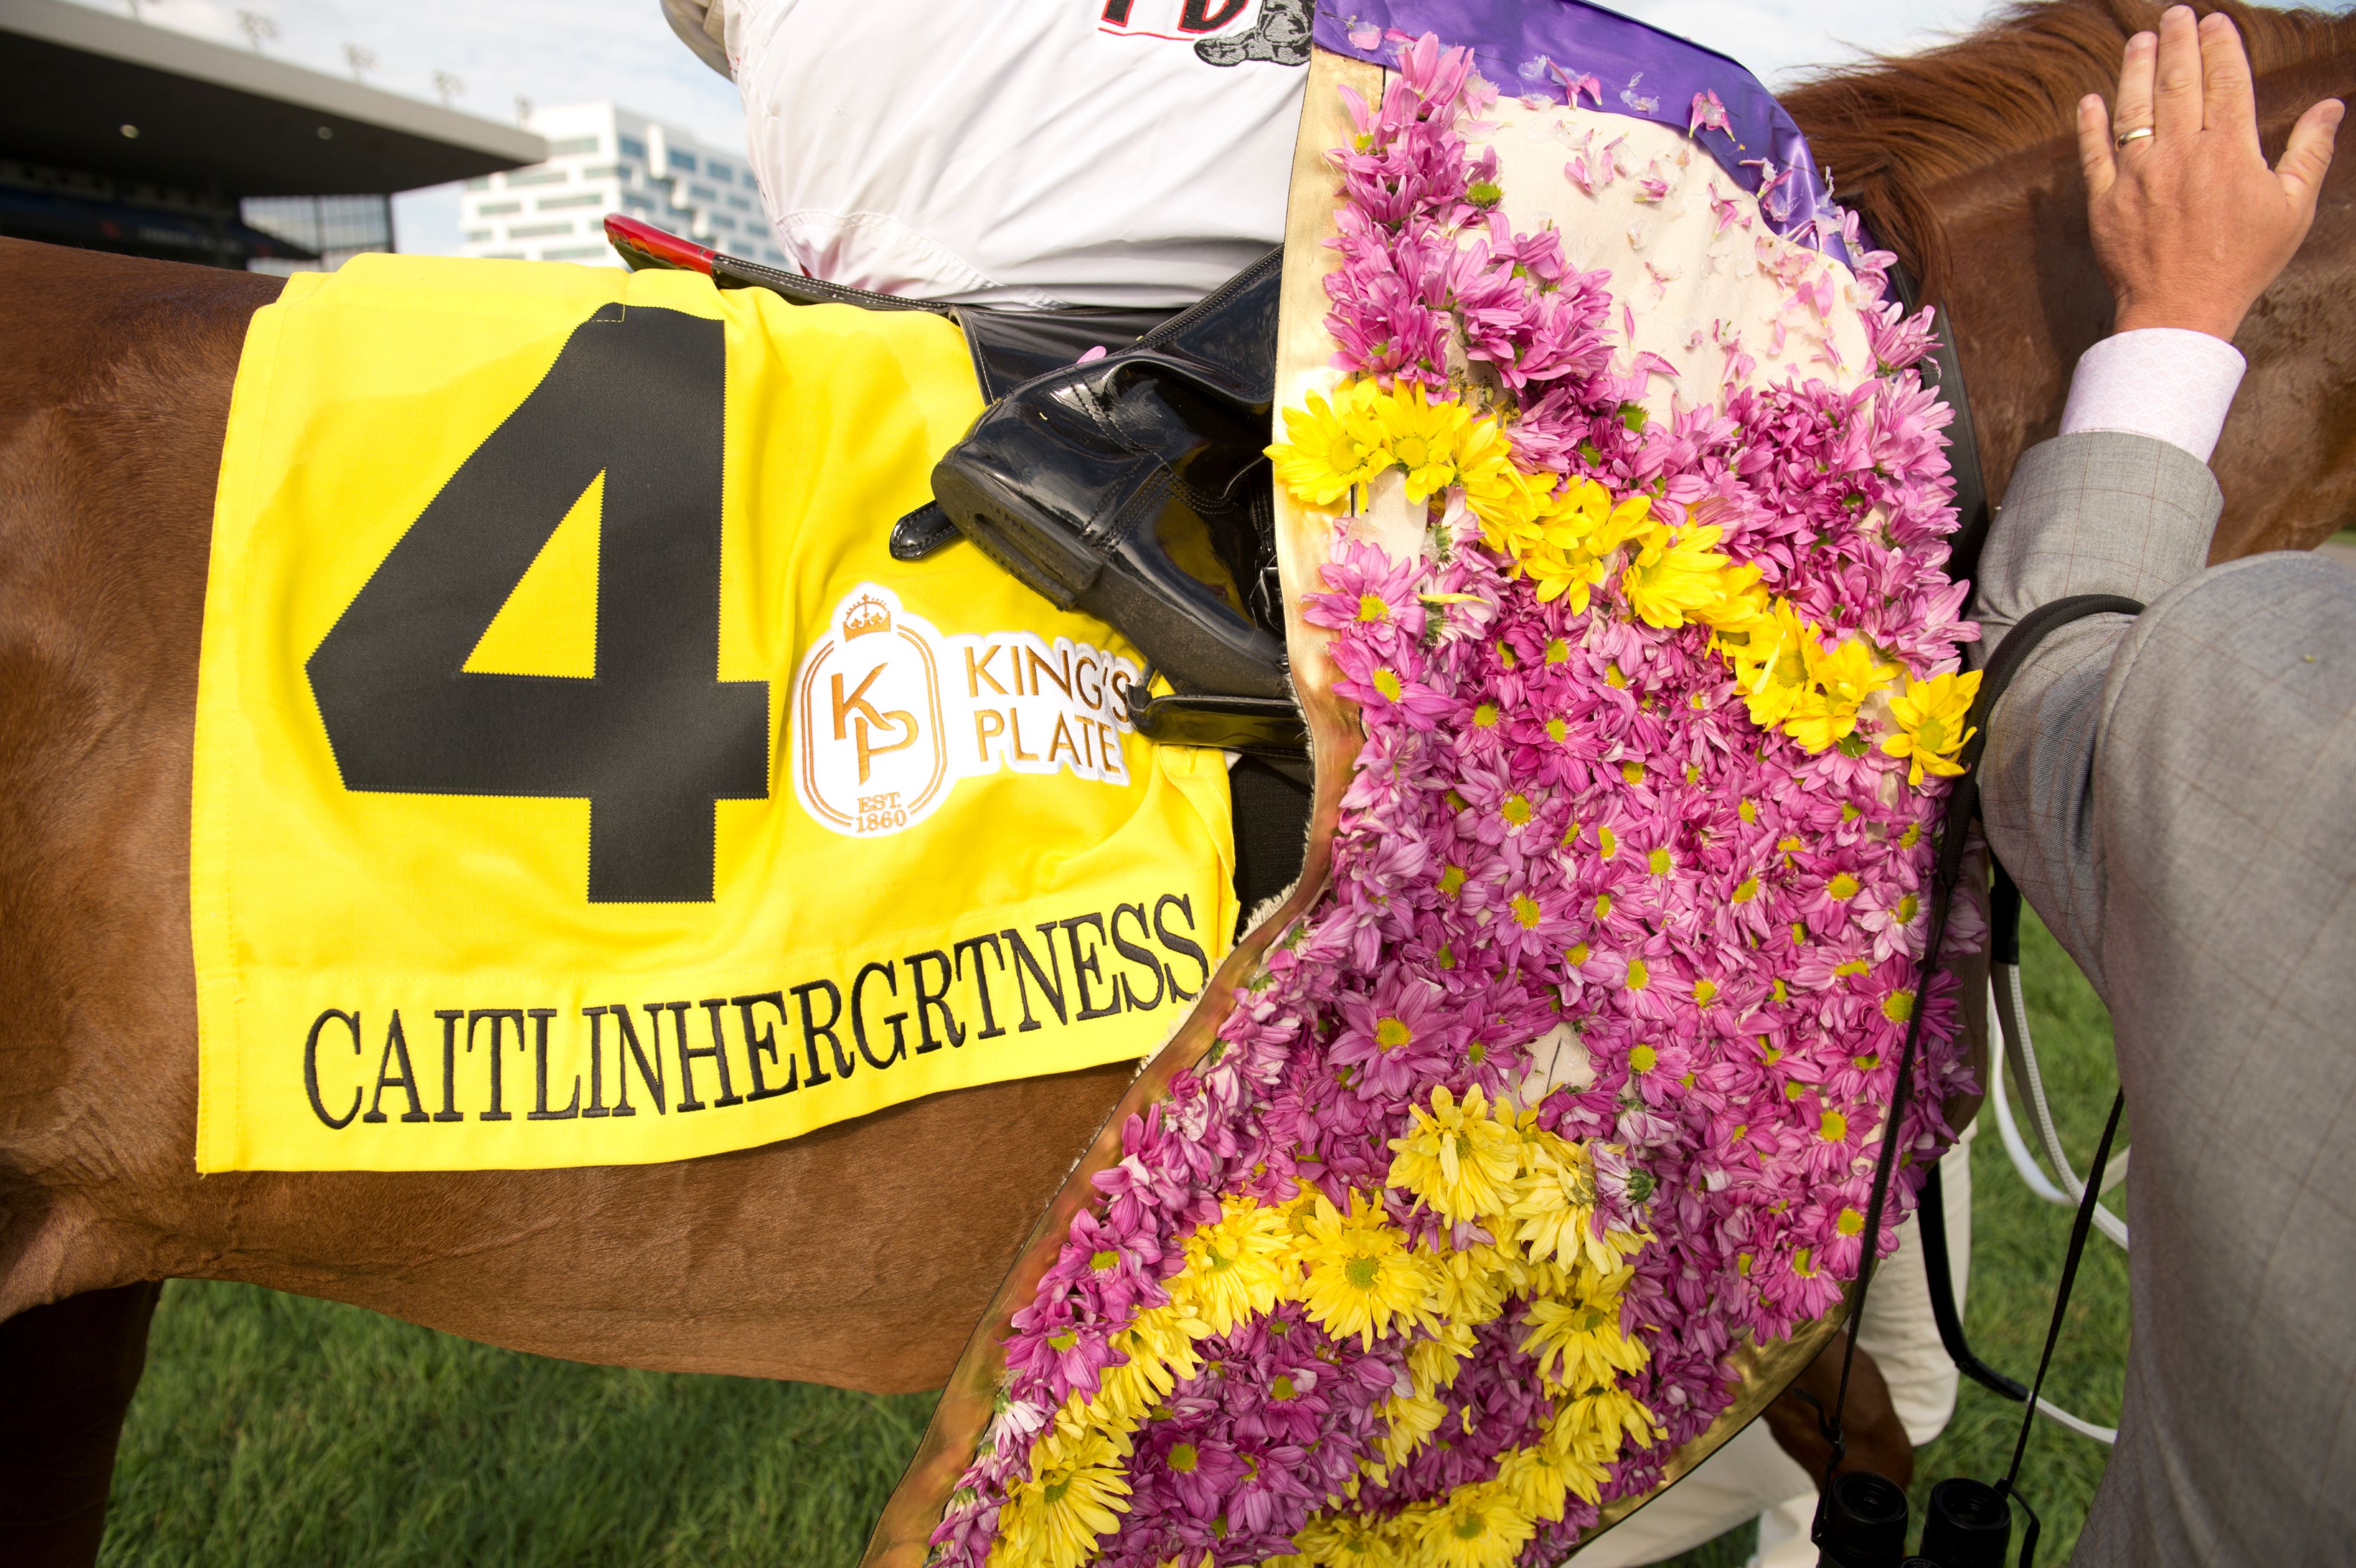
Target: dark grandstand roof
213	119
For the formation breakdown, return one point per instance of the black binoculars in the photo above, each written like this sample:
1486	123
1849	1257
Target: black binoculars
1861	1523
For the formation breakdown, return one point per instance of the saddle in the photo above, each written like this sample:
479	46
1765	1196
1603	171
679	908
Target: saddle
1169	397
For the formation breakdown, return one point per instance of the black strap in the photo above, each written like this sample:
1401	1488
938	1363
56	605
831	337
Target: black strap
1938	1273
1946	375
2078	1229
1963	802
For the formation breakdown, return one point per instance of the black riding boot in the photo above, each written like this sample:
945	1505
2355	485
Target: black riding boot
1135	487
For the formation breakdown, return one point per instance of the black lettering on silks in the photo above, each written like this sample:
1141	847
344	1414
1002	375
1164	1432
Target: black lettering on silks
396	1044
766	1043
637	395
311	1067
717	1050
596	1017
450	1017
1181	944
1137	953
1117	12
1052	991
1089	964
899	1021
540	1110
651	1076
813	1031
1207	16
496	1113
990	1027
929	1001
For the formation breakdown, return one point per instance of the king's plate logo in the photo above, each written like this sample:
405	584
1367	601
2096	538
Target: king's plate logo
890	712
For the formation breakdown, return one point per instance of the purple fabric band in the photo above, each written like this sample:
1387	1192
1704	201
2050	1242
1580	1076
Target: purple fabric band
1542	46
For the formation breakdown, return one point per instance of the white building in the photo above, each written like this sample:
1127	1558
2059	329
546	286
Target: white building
603	159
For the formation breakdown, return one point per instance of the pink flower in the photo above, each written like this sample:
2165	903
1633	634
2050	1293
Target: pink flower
1709	114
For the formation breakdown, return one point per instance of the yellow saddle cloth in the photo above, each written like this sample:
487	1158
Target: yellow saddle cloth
579	781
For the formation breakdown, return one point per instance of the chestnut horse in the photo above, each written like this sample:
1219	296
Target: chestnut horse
860	1255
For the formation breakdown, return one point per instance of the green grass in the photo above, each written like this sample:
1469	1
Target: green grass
272	1430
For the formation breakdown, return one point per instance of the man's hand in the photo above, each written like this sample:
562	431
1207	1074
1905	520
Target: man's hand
2190	226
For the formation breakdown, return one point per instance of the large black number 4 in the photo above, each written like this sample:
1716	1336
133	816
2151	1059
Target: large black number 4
655	736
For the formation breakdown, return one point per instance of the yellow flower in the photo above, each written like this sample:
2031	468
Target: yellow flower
1478	1526
1236	1267
1160	1345
1405	427
1674	576
1349	1540
1408	1421
1563	539
1432	1364
1743	607
1577	1342
1772	669
1557	1203
1839	680
1324	457
1930	717
1469	1286
1483	457
1361	1277
1536	1480
1073	1494
1456	1158
1597	1420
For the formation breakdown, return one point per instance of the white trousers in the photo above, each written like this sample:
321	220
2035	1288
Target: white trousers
1752	1478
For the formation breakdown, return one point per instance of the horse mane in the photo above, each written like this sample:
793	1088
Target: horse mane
1892	127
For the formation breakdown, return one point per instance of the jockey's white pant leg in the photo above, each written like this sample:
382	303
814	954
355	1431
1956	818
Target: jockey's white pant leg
1734	1484
1132	153
1752	1477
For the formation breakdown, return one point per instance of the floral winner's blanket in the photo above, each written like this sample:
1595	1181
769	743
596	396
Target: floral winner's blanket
1522	1154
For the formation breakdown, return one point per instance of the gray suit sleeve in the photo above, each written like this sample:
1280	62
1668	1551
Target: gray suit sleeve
2094	513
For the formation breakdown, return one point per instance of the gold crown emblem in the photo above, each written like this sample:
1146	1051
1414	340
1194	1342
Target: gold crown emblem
868	614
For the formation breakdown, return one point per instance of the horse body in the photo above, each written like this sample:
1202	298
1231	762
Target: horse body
861	1255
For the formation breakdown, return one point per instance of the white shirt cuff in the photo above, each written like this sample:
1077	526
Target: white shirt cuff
2163	381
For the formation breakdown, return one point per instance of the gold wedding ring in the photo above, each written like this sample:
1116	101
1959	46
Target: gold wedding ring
2138	133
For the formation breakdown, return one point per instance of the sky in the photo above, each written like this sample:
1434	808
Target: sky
571	51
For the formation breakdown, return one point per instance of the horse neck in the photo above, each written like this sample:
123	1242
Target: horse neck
2025	298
